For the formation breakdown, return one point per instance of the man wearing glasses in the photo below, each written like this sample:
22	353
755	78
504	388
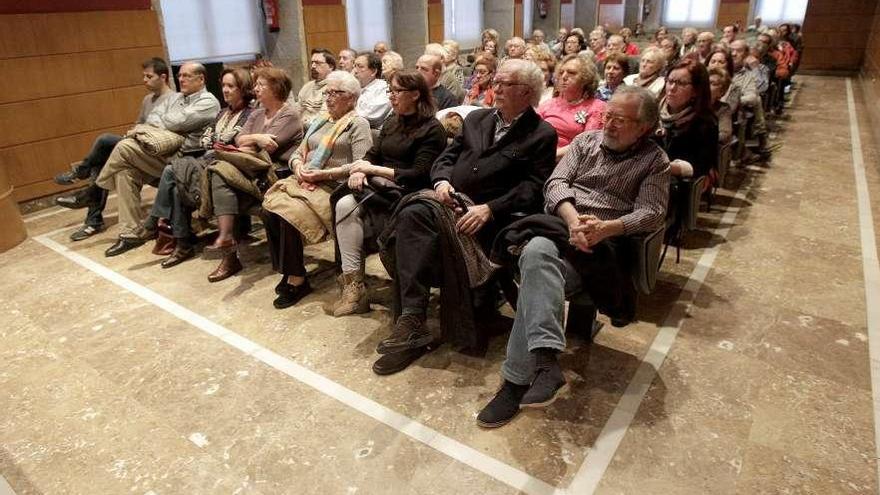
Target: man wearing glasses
311	98
500	162
612	182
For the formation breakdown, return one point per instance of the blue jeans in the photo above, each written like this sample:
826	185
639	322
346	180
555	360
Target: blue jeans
93	163
168	205
545	281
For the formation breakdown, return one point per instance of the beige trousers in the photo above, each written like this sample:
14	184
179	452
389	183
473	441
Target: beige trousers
126	171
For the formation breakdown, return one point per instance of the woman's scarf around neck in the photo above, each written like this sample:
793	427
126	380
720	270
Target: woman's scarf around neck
676	122
325	147
646	81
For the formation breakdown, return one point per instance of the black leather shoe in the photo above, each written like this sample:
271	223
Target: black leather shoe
392	363
74	202
282	286
503	407
122	245
85	232
291	295
546	386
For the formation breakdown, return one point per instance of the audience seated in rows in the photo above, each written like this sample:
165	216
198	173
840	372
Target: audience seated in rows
311	100
430	66
482	93
373	103
616	70
649	75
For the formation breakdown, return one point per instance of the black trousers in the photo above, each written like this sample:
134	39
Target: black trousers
419	262
285	245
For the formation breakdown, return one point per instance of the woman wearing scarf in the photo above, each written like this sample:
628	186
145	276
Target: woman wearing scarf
650	66
481	93
399	163
271	132
296	210
688	127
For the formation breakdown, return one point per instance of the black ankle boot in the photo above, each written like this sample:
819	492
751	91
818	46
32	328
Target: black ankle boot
548	379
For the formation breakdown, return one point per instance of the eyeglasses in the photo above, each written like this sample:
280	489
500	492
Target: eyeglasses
397	91
677	82
334	93
616	120
319	62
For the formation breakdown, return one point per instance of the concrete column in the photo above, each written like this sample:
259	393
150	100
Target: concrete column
632	13
287	48
586	14
498	14
409	29
550	23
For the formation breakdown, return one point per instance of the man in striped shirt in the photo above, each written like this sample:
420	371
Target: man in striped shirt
611	183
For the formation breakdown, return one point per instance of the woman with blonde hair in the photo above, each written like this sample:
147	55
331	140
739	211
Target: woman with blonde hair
575	109
651	65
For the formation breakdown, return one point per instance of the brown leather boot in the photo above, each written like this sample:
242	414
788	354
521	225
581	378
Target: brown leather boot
165	244
229	266
354	295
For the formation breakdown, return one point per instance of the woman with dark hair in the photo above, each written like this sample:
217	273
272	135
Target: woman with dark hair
177	196
398	163
616	68
276	129
688	127
721	59
574	45
481	93
575	109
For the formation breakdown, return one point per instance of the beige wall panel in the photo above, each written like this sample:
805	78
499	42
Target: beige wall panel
435	22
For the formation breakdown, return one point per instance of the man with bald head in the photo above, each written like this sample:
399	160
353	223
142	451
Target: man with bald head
380	49
430	66
705	40
597	44
129	166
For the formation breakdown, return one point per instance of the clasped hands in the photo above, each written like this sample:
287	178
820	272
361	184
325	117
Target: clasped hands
358	173
473	220
586	232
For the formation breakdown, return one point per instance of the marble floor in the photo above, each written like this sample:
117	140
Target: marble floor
747	372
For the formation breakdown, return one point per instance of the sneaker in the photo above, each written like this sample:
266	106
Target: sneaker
85	232
410	332
545	387
503	407
74	202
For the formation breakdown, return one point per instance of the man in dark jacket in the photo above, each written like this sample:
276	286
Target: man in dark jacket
499	161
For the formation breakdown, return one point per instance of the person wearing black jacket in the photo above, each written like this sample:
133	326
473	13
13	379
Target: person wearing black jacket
499	162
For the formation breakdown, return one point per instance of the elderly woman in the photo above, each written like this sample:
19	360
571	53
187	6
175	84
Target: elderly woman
616	69
721	59
688	127
650	66
175	202
575	109
719	83
275	128
631	48
488	36
296	210
575	44
373	103
671	48
398	163
482	94
547	64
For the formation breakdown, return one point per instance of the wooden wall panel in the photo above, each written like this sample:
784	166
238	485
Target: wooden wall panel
836	34
325	27
730	11
70	76
518	21
30	77
435	22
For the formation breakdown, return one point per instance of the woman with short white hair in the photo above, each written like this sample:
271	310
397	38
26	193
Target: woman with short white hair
296	210
650	66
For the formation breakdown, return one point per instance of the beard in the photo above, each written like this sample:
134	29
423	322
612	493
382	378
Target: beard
313	74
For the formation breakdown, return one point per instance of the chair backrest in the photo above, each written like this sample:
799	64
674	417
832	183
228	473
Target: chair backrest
692	207
646	251
725	154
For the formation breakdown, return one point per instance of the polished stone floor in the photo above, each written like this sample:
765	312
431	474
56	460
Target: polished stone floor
748	371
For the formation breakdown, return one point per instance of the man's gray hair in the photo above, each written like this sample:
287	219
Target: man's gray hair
526	73
649	112
345	81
